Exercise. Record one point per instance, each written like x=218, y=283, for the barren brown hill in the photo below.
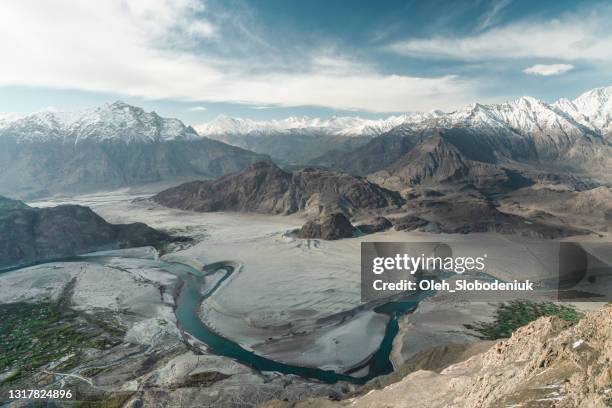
x=265, y=188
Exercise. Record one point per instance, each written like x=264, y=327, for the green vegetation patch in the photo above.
x=35, y=334
x=512, y=315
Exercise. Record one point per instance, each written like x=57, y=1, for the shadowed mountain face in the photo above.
x=112, y=146
x=265, y=188
x=30, y=235
x=491, y=162
x=436, y=161
x=390, y=151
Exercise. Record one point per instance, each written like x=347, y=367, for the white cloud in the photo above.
x=570, y=38
x=134, y=48
x=550, y=69
x=202, y=29
x=198, y=108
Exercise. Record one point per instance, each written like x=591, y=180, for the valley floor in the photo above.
x=292, y=301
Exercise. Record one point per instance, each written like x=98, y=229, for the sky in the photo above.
x=269, y=59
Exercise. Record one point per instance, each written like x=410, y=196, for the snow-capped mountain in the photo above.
x=129, y=123
x=336, y=126
x=525, y=115
x=44, y=125
x=566, y=136
x=299, y=140
x=111, y=146
x=114, y=121
x=117, y=144
x=590, y=111
x=554, y=129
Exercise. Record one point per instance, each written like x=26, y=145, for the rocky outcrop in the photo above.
x=548, y=363
x=373, y=225
x=468, y=212
x=409, y=223
x=30, y=235
x=265, y=188
x=329, y=227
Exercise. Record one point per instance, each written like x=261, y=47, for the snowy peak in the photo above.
x=525, y=116
x=592, y=109
x=128, y=123
x=114, y=121
x=336, y=125
x=44, y=125
x=589, y=114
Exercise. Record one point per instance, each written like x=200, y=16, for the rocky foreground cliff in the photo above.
x=548, y=363
x=30, y=235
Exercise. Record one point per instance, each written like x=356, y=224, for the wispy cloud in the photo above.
x=130, y=47
x=491, y=17
x=569, y=38
x=547, y=70
x=198, y=108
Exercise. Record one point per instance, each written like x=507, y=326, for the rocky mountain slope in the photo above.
x=548, y=363
x=30, y=235
x=436, y=161
x=111, y=146
x=265, y=188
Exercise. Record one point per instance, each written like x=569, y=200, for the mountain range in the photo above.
x=490, y=146
x=590, y=111
x=300, y=140
x=111, y=146
x=565, y=135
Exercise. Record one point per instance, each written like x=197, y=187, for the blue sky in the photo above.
x=266, y=59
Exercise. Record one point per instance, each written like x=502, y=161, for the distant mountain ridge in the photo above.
x=337, y=125
x=562, y=130
x=591, y=111
x=298, y=140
